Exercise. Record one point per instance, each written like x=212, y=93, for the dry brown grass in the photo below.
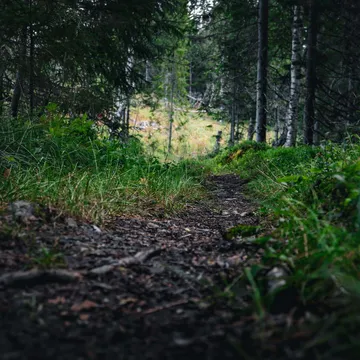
x=193, y=132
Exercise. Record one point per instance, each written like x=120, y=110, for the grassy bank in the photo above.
x=309, y=198
x=64, y=164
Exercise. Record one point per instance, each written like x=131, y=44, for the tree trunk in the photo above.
x=171, y=111
x=311, y=80
x=18, y=88
x=17, y=94
x=31, y=62
x=292, y=111
x=238, y=133
x=147, y=71
x=2, y=73
x=233, y=116
x=261, y=90
x=251, y=128
x=190, y=81
x=127, y=119
x=277, y=124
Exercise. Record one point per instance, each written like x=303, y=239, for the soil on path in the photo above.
x=171, y=305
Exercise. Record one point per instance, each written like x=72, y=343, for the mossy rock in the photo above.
x=241, y=231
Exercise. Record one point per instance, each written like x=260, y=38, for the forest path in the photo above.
x=169, y=306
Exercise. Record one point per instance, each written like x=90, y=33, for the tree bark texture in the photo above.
x=18, y=88
x=251, y=129
x=171, y=111
x=233, y=115
x=311, y=76
x=261, y=86
x=292, y=111
x=31, y=62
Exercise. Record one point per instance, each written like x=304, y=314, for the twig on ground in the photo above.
x=165, y=307
x=37, y=276
x=137, y=259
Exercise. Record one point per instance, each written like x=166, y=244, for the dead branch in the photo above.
x=166, y=307
x=137, y=259
x=36, y=277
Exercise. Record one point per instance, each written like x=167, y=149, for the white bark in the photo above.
x=171, y=110
x=292, y=111
x=147, y=71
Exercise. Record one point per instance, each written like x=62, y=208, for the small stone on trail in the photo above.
x=22, y=211
x=276, y=278
x=152, y=225
x=181, y=341
x=70, y=222
x=96, y=229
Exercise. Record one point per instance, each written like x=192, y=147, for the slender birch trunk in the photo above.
x=147, y=71
x=261, y=86
x=233, y=116
x=292, y=111
x=171, y=111
x=190, y=81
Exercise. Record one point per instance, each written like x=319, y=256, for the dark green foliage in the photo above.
x=236, y=152
x=311, y=197
x=82, y=55
x=48, y=258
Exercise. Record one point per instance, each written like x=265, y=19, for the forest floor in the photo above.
x=92, y=297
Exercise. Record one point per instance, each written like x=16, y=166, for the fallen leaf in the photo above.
x=86, y=305
x=127, y=301
x=84, y=317
x=58, y=300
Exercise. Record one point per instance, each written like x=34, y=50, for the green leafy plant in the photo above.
x=48, y=258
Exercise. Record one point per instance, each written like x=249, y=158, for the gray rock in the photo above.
x=23, y=211
x=70, y=222
x=276, y=278
x=96, y=229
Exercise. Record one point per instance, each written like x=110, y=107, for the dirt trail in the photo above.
x=169, y=306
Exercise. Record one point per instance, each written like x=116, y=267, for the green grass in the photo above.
x=63, y=164
x=48, y=258
x=193, y=132
x=310, y=198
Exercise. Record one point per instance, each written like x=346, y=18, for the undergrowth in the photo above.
x=64, y=163
x=311, y=197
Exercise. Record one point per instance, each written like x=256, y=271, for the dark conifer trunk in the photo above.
x=311, y=76
x=31, y=61
x=261, y=96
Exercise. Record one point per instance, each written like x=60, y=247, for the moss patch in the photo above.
x=241, y=230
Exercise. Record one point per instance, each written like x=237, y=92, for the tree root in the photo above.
x=37, y=277
x=137, y=259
